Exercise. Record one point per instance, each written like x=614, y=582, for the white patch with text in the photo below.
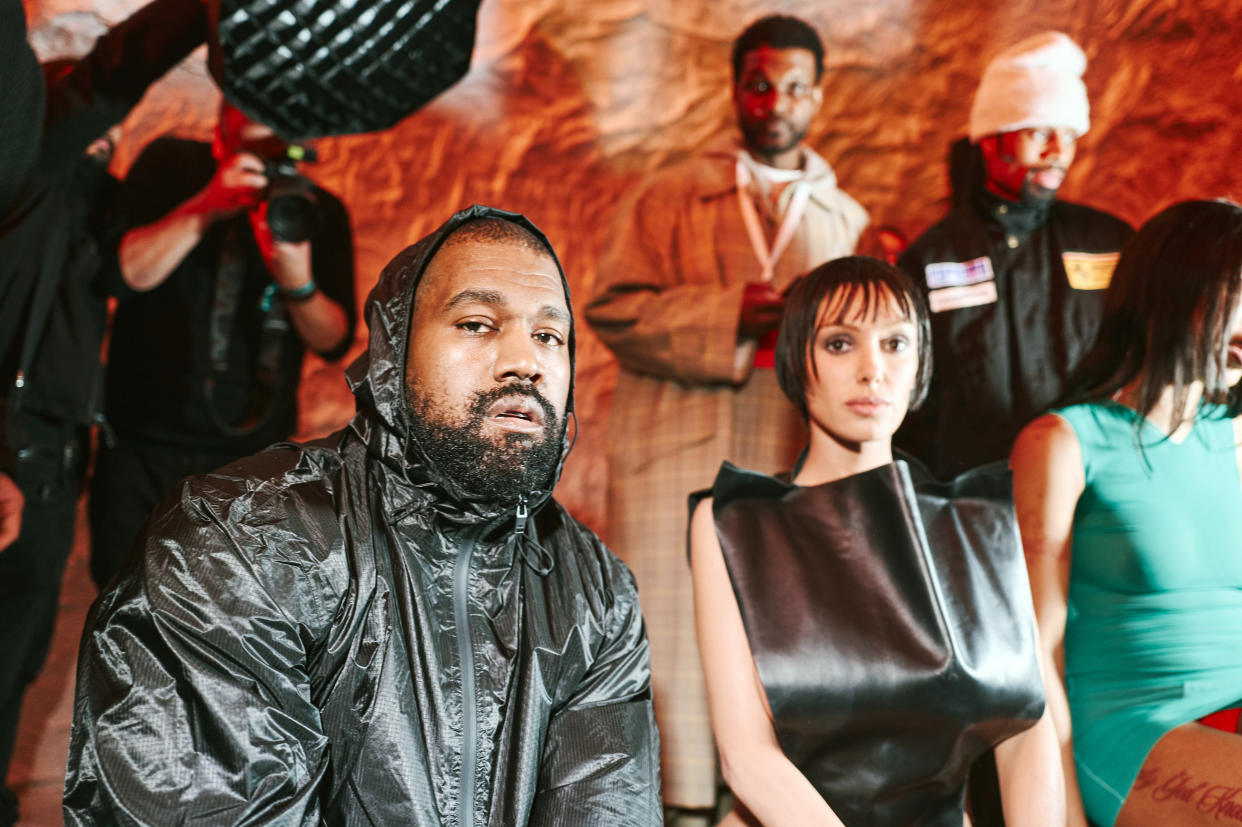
x=955, y=298
x=957, y=273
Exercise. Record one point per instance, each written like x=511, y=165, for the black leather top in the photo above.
x=891, y=624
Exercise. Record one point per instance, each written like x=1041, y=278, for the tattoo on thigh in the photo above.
x=1178, y=786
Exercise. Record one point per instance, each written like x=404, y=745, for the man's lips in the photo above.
x=776, y=127
x=516, y=413
x=1048, y=177
x=868, y=405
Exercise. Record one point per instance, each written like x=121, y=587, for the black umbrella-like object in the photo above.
x=309, y=68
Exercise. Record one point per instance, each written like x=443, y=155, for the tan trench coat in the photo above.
x=668, y=305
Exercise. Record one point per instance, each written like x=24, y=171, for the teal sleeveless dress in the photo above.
x=1155, y=594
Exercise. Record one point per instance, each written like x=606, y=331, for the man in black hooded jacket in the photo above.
x=395, y=624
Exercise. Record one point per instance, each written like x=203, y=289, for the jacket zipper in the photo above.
x=465, y=656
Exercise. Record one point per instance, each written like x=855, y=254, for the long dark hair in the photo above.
x=1167, y=311
x=869, y=278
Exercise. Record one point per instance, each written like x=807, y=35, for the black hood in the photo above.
x=377, y=377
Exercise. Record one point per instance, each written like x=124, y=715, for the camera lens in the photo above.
x=291, y=213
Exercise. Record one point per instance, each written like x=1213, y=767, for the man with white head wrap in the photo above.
x=1014, y=277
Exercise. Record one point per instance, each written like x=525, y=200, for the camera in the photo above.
x=292, y=209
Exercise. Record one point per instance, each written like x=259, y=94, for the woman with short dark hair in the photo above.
x=864, y=629
x=1131, y=516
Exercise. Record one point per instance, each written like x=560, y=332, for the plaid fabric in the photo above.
x=685, y=401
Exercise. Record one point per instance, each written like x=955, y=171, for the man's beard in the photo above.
x=1037, y=194
x=499, y=472
x=753, y=132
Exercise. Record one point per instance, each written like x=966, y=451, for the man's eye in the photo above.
x=474, y=326
x=759, y=87
x=545, y=337
x=798, y=91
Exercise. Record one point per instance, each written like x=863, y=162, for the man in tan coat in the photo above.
x=690, y=298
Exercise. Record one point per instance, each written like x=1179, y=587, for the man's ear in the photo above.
x=988, y=146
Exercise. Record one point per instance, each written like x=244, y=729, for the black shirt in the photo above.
x=1016, y=292
x=64, y=236
x=159, y=360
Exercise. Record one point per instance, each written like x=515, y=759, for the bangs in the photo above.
x=862, y=301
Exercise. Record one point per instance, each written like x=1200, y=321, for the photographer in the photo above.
x=234, y=264
x=55, y=239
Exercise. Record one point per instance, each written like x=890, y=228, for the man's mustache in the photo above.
x=1061, y=168
x=485, y=399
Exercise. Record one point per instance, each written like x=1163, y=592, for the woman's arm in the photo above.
x=1032, y=786
x=1047, y=482
x=755, y=767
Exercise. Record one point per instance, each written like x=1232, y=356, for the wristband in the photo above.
x=297, y=295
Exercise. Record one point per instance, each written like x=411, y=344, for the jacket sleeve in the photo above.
x=21, y=101
x=192, y=692
x=602, y=754
x=100, y=89
x=655, y=318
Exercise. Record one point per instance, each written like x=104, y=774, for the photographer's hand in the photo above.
x=762, y=307
x=11, y=504
x=238, y=184
x=150, y=253
x=320, y=322
x=289, y=262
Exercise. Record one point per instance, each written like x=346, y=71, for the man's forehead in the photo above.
x=1039, y=129
x=766, y=57
x=492, y=272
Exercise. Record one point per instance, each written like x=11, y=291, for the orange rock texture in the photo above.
x=568, y=104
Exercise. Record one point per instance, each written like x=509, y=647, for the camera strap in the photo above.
x=226, y=300
x=768, y=256
x=39, y=310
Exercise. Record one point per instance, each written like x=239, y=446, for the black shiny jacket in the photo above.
x=334, y=633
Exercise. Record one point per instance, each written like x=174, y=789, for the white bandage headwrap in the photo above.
x=1037, y=82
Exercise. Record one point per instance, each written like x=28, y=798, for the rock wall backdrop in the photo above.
x=568, y=104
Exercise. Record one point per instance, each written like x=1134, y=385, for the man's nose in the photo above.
x=517, y=356
x=1054, y=149
x=782, y=102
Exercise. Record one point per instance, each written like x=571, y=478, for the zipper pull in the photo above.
x=522, y=514
x=105, y=429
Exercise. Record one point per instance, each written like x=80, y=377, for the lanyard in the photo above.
x=797, y=207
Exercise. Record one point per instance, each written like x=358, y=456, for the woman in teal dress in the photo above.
x=1130, y=510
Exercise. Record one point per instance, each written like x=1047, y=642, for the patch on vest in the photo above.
x=957, y=273
x=968, y=295
x=1089, y=271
